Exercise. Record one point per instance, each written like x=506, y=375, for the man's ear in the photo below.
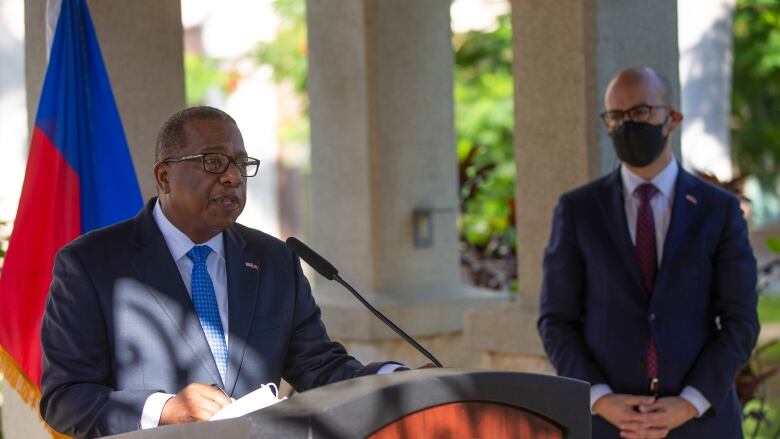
x=674, y=120
x=161, y=177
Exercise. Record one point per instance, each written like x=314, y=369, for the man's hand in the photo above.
x=666, y=414
x=196, y=402
x=622, y=411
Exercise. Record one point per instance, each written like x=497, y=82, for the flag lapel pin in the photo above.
x=251, y=265
x=691, y=199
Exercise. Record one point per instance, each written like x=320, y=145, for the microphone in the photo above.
x=329, y=272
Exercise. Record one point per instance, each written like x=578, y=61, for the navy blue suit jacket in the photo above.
x=596, y=318
x=119, y=325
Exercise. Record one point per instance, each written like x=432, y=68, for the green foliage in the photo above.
x=768, y=308
x=287, y=54
x=773, y=244
x=757, y=380
x=756, y=89
x=3, y=241
x=201, y=75
x=761, y=419
x=484, y=124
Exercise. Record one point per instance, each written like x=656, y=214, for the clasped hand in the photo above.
x=644, y=417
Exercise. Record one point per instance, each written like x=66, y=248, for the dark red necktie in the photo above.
x=648, y=258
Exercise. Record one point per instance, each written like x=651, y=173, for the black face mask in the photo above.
x=638, y=143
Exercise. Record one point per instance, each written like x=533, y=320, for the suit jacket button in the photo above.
x=651, y=317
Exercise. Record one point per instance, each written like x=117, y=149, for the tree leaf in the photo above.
x=773, y=244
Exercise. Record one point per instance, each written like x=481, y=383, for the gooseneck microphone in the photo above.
x=328, y=271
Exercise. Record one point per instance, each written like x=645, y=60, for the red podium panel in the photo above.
x=473, y=420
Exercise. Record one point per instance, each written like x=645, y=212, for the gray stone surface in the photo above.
x=517, y=334
x=556, y=120
x=383, y=141
x=417, y=314
x=631, y=33
x=19, y=420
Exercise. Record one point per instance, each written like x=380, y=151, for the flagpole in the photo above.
x=52, y=15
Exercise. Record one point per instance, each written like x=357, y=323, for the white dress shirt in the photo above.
x=179, y=244
x=661, y=204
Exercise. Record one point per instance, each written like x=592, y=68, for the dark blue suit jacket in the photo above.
x=119, y=325
x=596, y=318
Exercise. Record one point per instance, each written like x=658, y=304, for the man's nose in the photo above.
x=232, y=175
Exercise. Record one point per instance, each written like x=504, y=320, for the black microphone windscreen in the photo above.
x=311, y=257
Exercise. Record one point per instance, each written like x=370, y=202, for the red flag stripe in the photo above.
x=48, y=218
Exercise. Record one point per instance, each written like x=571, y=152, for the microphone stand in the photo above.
x=387, y=321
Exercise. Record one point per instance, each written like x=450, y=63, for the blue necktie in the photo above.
x=205, y=301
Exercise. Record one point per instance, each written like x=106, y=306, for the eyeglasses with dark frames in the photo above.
x=640, y=113
x=217, y=163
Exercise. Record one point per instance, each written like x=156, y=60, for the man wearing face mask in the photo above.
x=649, y=282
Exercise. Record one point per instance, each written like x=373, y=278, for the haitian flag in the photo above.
x=79, y=177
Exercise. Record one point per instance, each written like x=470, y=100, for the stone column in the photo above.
x=383, y=145
x=141, y=42
x=13, y=105
x=632, y=33
x=705, y=78
x=562, y=64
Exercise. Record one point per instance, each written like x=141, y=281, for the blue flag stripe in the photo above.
x=78, y=113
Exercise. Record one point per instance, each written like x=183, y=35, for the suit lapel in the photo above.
x=686, y=195
x=157, y=269
x=614, y=211
x=243, y=274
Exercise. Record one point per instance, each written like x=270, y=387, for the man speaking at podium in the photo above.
x=160, y=319
x=649, y=282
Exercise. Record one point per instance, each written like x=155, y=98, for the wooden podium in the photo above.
x=427, y=403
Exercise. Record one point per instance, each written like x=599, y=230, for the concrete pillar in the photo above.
x=631, y=33
x=13, y=106
x=383, y=145
x=141, y=43
x=381, y=77
x=562, y=64
x=705, y=78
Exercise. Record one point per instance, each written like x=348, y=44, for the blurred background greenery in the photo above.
x=755, y=136
x=484, y=129
x=755, y=130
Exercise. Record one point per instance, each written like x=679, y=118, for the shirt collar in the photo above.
x=179, y=243
x=664, y=181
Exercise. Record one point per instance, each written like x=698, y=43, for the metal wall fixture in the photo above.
x=422, y=224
